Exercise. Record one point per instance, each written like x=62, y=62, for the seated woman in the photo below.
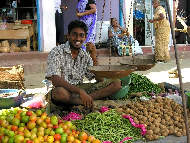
x=118, y=38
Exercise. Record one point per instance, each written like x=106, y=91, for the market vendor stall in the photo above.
x=19, y=31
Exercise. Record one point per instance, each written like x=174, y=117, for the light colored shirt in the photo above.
x=61, y=63
x=57, y=6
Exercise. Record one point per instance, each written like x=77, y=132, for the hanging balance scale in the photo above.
x=126, y=64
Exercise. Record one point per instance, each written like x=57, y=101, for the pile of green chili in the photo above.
x=140, y=83
x=108, y=126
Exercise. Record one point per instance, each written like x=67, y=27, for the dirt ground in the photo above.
x=159, y=73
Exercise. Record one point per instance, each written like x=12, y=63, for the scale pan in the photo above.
x=112, y=71
x=142, y=64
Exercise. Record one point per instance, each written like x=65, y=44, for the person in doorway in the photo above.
x=162, y=33
x=59, y=22
x=117, y=35
x=68, y=64
x=87, y=12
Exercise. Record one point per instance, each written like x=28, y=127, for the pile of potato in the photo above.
x=161, y=116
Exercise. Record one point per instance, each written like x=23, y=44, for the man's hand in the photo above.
x=86, y=99
x=79, y=14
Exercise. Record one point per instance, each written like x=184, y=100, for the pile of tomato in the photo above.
x=23, y=126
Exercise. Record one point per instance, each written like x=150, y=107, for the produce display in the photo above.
x=108, y=126
x=140, y=83
x=161, y=116
x=23, y=126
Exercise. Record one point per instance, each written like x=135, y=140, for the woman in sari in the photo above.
x=162, y=33
x=86, y=11
x=118, y=36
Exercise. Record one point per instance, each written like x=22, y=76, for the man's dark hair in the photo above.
x=77, y=24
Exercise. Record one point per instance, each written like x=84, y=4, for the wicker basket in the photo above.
x=4, y=49
x=24, y=49
x=11, y=84
x=12, y=77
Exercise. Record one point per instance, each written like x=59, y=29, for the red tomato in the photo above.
x=29, y=141
x=29, y=113
x=55, y=126
x=60, y=121
x=1, y=137
x=57, y=137
x=83, y=136
x=14, y=128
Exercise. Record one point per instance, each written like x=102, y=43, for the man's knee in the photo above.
x=59, y=93
x=117, y=84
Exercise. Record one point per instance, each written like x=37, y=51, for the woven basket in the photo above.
x=24, y=49
x=11, y=84
x=12, y=77
x=4, y=49
x=15, y=73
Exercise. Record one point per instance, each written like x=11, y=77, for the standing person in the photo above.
x=59, y=22
x=162, y=33
x=87, y=12
x=66, y=67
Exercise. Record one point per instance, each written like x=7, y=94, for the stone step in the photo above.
x=35, y=62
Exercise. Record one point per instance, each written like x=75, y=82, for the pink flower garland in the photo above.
x=72, y=116
x=141, y=126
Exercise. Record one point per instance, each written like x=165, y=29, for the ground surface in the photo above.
x=159, y=73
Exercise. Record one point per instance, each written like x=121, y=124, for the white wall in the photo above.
x=128, y=12
x=48, y=25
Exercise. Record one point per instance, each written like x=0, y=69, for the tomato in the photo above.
x=59, y=131
x=1, y=136
x=16, y=121
x=77, y=141
x=29, y=141
x=29, y=113
x=39, y=121
x=54, y=120
x=83, y=136
x=38, y=112
x=44, y=116
x=19, y=138
x=11, y=133
x=60, y=121
x=70, y=138
x=55, y=126
x=63, y=138
x=69, y=124
x=48, y=121
x=24, y=119
x=33, y=118
x=31, y=125
x=57, y=137
x=91, y=138
x=50, y=139
x=96, y=141
x=14, y=128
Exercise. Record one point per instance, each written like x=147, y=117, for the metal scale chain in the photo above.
x=127, y=26
x=110, y=40
x=148, y=25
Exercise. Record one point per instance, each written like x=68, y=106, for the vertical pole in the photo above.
x=38, y=25
x=120, y=13
x=179, y=71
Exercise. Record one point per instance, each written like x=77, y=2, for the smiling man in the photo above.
x=68, y=65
